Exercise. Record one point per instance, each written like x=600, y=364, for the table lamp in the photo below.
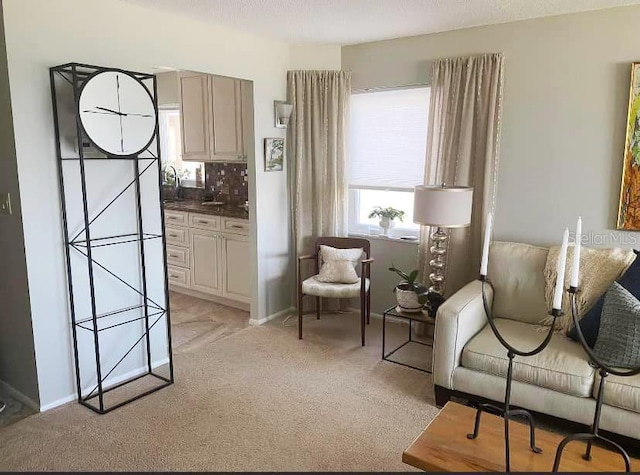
x=441, y=207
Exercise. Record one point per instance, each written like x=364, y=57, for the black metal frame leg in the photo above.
x=593, y=435
x=590, y=438
x=506, y=412
x=604, y=370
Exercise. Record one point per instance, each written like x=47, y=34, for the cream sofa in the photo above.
x=468, y=360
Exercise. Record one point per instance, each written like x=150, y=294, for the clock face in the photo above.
x=117, y=113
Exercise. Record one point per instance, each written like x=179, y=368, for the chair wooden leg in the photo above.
x=318, y=308
x=363, y=312
x=300, y=314
x=368, y=307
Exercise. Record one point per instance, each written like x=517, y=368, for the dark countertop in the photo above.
x=196, y=206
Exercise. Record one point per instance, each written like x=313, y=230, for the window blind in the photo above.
x=388, y=138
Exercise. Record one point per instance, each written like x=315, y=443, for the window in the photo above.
x=171, y=147
x=388, y=141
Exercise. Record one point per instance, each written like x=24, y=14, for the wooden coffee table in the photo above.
x=443, y=447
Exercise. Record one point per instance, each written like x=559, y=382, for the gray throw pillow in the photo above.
x=618, y=343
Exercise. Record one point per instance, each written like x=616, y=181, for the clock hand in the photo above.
x=98, y=112
x=136, y=115
x=109, y=110
x=120, y=113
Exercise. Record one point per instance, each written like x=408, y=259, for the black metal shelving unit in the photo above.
x=143, y=320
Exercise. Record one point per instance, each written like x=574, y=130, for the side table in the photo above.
x=422, y=317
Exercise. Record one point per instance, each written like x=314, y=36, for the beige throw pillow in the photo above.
x=339, y=265
x=338, y=272
x=598, y=269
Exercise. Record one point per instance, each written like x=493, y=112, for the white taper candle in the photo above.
x=484, y=264
x=562, y=261
x=575, y=269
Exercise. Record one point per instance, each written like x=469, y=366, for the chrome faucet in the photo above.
x=176, y=181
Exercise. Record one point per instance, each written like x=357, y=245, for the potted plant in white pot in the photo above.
x=386, y=215
x=410, y=294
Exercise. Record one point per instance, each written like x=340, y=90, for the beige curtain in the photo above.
x=317, y=154
x=462, y=149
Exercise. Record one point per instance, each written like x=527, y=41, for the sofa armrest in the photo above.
x=459, y=318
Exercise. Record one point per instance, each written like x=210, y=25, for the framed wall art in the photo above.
x=629, y=207
x=273, y=155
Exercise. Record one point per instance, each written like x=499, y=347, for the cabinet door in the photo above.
x=237, y=267
x=195, y=118
x=206, y=270
x=226, y=111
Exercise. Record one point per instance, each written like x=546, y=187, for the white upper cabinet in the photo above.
x=195, y=117
x=226, y=106
x=212, y=117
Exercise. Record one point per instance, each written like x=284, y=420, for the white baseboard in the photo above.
x=59, y=402
x=282, y=313
x=17, y=395
x=107, y=384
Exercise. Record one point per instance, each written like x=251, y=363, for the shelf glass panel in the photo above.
x=116, y=318
x=112, y=240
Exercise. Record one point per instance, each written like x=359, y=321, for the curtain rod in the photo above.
x=382, y=88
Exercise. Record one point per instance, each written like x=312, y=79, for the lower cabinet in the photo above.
x=205, y=261
x=236, y=267
x=179, y=276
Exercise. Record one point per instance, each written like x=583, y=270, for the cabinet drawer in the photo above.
x=175, y=218
x=237, y=226
x=177, y=236
x=179, y=276
x=204, y=221
x=178, y=256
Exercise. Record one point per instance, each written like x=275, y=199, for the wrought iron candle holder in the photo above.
x=604, y=371
x=506, y=412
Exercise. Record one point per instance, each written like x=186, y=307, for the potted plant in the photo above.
x=411, y=295
x=386, y=215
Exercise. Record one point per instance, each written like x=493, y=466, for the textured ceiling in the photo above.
x=358, y=21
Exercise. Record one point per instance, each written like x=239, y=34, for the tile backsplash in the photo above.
x=229, y=181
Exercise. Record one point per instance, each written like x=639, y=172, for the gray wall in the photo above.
x=123, y=35
x=17, y=358
x=563, y=125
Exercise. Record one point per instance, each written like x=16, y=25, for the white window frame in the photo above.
x=185, y=182
x=360, y=228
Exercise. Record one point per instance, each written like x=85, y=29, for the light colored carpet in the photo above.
x=256, y=399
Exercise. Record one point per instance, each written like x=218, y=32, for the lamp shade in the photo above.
x=283, y=113
x=442, y=206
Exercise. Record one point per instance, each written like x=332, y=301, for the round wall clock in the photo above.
x=117, y=113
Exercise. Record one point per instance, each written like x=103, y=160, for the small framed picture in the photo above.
x=273, y=155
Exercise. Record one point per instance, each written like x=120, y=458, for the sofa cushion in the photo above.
x=620, y=391
x=562, y=366
x=517, y=274
x=598, y=269
x=590, y=323
x=312, y=286
x=618, y=344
